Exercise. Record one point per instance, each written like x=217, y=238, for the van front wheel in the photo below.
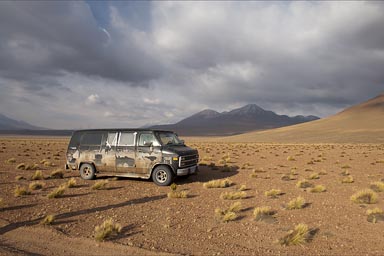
x=162, y=175
x=87, y=171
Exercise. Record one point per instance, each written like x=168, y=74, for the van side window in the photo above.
x=91, y=141
x=146, y=139
x=127, y=139
x=111, y=139
x=75, y=140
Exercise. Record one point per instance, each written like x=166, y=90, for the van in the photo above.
x=133, y=153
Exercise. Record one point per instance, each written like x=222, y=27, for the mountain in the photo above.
x=248, y=118
x=362, y=123
x=7, y=123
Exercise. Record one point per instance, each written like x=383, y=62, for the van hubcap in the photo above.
x=87, y=171
x=161, y=176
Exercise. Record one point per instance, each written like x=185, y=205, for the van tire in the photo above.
x=87, y=171
x=162, y=175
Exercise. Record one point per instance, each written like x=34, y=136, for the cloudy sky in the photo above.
x=127, y=64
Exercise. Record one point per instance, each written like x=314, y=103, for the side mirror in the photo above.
x=182, y=142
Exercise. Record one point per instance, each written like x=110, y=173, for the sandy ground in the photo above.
x=154, y=224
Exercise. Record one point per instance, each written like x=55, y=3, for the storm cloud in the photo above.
x=131, y=64
x=40, y=38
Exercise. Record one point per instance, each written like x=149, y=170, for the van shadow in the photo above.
x=207, y=173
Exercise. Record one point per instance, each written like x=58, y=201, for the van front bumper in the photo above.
x=187, y=171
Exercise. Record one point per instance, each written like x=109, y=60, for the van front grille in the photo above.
x=189, y=160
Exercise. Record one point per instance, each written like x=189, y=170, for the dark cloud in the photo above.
x=46, y=38
x=314, y=53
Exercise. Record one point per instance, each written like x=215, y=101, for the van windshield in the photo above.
x=169, y=138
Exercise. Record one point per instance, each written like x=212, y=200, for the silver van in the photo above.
x=134, y=153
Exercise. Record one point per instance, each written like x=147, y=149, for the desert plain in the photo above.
x=152, y=223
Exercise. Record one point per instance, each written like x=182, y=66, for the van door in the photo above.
x=148, y=153
x=90, y=149
x=108, y=159
x=126, y=153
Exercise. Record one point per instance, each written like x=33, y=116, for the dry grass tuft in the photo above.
x=21, y=191
x=288, y=177
x=71, y=183
x=291, y=158
x=21, y=166
x=38, y=175
x=377, y=186
x=225, y=215
x=101, y=184
x=348, y=179
x=218, y=183
x=374, y=211
x=304, y=184
x=10, y=161
x=296, y=203
x=255, y=172
x=273, y=193
x=318, y=189
x=261, y=213
x=57, y=192
x=235, y=207
x=48, y=220
x=375, y=215
x=298, y=236
x=233, y=195
x=253, y=175
x=259, y=170
x=365, y=196
x=36, y=185
x=177, y=194
x=107, y=229
x=173, y=186
x=48, y=164
x=44, y=161
x=345, y=173
x=314, y=176
x=242, y=188
x=32, y=167
x=19, y=177
x=57, y=174
x=24, y=166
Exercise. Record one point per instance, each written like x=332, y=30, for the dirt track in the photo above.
x=153, y=223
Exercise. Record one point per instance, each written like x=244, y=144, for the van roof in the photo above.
x=122, y=129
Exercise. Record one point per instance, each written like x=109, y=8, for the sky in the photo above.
x=90, y=64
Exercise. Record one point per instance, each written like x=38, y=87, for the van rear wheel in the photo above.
x=162, y=175
x=87, y=171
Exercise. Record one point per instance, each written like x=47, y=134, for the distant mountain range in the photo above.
x=361, y=123
x=205, y=123
x=7, y=123
x=248, y=118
